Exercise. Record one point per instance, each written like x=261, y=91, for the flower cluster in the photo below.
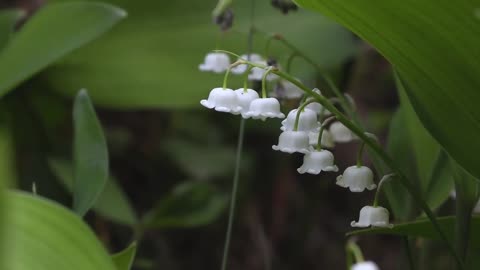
x=308, y=129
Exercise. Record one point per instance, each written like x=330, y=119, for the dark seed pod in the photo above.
x=225, y=20
x=272, y=62
x=284, y=6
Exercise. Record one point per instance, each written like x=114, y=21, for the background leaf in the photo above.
x=8, y=19
x=124, y=259
x=412, y=35
x=151, y=59
x=56, y=30
x=112, y=203
x=90, y=155
x=423, y=228
x=43, y=235
x=190, y=204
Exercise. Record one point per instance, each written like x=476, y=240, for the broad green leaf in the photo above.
x=8, y=19
x=423, y=228
x=400, y=149
x=124, y=259
x=53, y=32
x=190, y=204
x=43, y=235
x=152, y=59
x=112, y=203
x=440, y=181
x=434, y=47
x=90, y=155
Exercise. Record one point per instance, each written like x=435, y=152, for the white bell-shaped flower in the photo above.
x=240, y=69
x=306, y=122
x=318, y=109
x=357, y=179
x=257, y=73
x=316, y=161
x=222, y=100
x=216, y=62
x=372, y=216
x=367, y=265
x=341, y=133
x=245, y=98
x=293, y=141
x=263, y=108
x=327, y=138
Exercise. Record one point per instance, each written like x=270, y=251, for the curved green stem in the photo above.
x=264, y=81
x=299, y=111
x=225, y=78
x=322, y=128
x=379, y=187
x=355, y=250
x=245, y=80
x=359, y=155
x=289, y=61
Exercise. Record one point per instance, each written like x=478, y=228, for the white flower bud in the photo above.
x=317, y=161
x=245, y=98
x=293, y=141
x=341, y=133
x=368, y=265
x=372, y=216
x=327, y=139
x=240, y=69
x=357, y=179
x=215, y=62
x=306, y=122
x=263, y=108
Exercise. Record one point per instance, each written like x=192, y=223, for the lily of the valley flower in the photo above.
x=288, y=90
x=222, y=100
x=316, y=161
x=341, y=133
x=357, y=179
x=293, y=141
x=245, y=98
x=263, y=108
x=306, y=122
x=257, y=73
x=242, y=68
x=327, y=139
x=216, y=62
x=372, y=216
x=367, y=265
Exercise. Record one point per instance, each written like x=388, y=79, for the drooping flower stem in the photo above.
x=379, y=187
x=322, y=128
x=359, y=154
x=297, y=52
x=264, y=81
x=356, y=252
x=299, y=111
x=225, y=78
x=245, y=80
x=292, y=56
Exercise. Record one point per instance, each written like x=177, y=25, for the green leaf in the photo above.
x=190, y=204
x=167, y=42
x=55, y=31
x=8, y=19
x=90, y=155
x=435, y=54
x=124, y=259
x=440, y=183
x=423, y=228
x=43, y=235
x=400, y=148
x=112, y=203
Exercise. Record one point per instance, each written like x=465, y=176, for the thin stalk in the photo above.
x=408, y=251
x=356, y=252
x=233, y=199
x=380, y=186
x=299, y=111
x=264, y=82
x=322, y=128
x=225, y=78
x=327, y=78
x=359, y=155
